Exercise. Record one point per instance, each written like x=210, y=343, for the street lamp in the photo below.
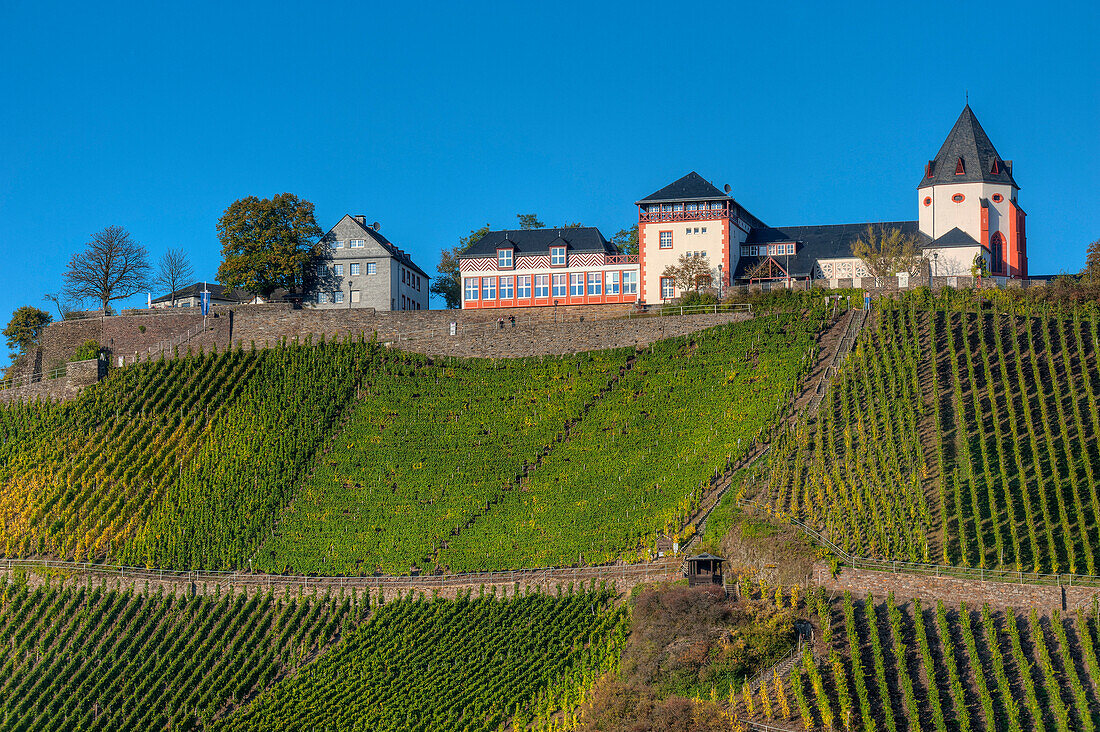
x=720, y=283
x=935, y=269
x=350, y=285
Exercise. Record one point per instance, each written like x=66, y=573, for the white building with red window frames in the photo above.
x=546, y=267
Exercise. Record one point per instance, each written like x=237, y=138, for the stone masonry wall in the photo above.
x=953, y=590
x=79, y=375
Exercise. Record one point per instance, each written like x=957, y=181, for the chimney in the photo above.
x=361, y=218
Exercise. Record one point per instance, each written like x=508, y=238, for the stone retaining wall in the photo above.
x=953, y=590
x=80, y=374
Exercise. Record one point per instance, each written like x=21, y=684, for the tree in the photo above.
x=112, y=267
x=267, y=243
x=61, y=302
x=626, y=240
x=173, y=272
x=689, y=273
x=573, y=225
x=979, y=267
x=529, y=221
x=449, y=283
x=888, y=251
x=25, y=326
x=1091, y=272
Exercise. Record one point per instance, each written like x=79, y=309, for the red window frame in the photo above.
x=660, y=239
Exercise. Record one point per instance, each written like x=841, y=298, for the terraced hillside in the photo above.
x=344, y=457
x=88, y=658
x=471, y=664
x=958, y=438
x=905, y=665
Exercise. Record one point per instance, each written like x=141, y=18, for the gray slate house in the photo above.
x=189, y=297
x=361, y=268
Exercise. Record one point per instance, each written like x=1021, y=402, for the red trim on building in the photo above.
x=958, y=198
x=960, y=168
x=997, y=198
x=985, y=227
x=727, y=246
x=641, y=261
x=928, y=200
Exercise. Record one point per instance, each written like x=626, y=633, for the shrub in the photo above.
x=87, y=350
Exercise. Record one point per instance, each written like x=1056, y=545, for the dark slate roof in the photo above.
x=217, y=292
x=831, y=241
x=967, y=140
x=692, y=187
x=954, y=238
x=389, y=246
x=539, y=241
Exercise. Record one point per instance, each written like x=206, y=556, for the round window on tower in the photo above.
x=927, y=200
x=958, y=198
x=997, y=198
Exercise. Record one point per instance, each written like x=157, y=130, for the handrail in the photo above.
x=18, y=381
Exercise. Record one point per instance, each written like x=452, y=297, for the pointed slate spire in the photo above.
x=969, y=150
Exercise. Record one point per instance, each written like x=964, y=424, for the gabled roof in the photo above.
x=217, y=292
x=538, y=241
x=831, y=241
x=386, y=244
x=968, y=142
x=954, y=238
x=692, y=187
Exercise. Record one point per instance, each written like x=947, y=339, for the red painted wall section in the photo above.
x=726, y=231
x=1017, y=242
x=985, y=225
x=641, y=261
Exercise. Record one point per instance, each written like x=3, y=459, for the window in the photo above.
x=958, y=198
x=322, y=298
x=612, y=283
x=338, y=244
x=322, y=270
x=687, y=231
x=996, y=254
x=504, y=258
x=338, y=270
x=523, y=287
x=959, y=167
x=704, y=229
x=559, y=285
x=668, y=290
x=471, y=288
x=997, y=198
x=630, y=283
x=693, y=207
x=338, y=296
x=354, y=268
x=507, y=288
x=542, y=285
x=372, y=268
x=927, y=200
x=744, y=251
x=576, y=284
x=355, y=295
x=357, y=243
x=790, y=248
x=595, y=283
x=666, y=240
x=488, y=288
x=403, y=273
x=996, y=169
x=557, y=256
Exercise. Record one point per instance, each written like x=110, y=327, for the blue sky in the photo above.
x=446, y=116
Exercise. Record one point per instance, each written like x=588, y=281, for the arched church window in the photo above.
x=996, y=251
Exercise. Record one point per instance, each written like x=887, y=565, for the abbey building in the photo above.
x=966, y=202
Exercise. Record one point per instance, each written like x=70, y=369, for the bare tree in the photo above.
x=173, y=272
x=689, y=273
x=61, y=302
x=112, y=267
x=888, y=251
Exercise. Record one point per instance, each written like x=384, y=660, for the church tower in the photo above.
x=968, y=203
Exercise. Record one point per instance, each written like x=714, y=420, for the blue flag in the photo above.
x=204, y=301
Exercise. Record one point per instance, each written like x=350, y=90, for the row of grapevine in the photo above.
x=953, y=669
x=467, y=664
x=88, y=658
x=955, y=437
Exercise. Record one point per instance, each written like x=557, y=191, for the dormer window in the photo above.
x=557, y=256
x=928, y=169
x=996, y=169
x=504, y=258
x=959, y=167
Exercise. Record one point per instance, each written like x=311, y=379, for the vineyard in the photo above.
x=89, y=658
x=956, y=438
x=477, y=663
x=497, y=465
x=910, y=666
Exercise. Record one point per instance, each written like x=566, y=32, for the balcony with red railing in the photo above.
x=683, y=213
x=621, y=259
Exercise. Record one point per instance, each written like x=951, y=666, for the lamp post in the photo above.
x=935, y=269
x=350, y=285
x=720, y=281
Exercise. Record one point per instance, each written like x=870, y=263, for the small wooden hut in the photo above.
x=704, y=569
